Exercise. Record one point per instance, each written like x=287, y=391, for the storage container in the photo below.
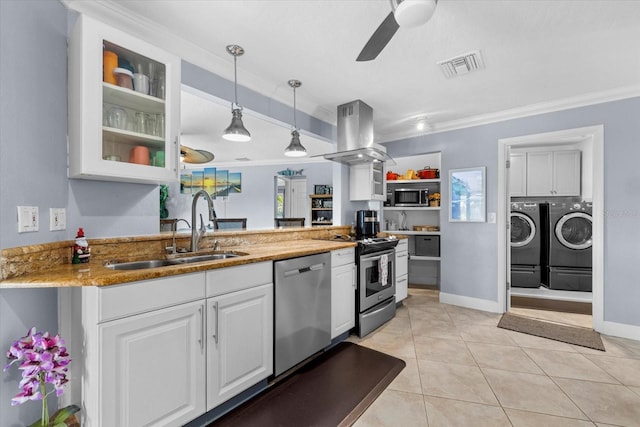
x=428, y=246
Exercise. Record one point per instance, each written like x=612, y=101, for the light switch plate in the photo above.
x=28, y=219
x=492, y=217
x=57, y=219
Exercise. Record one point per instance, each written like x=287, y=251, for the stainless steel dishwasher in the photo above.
x=302, y=289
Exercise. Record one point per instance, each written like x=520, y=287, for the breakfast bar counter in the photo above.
x=48, y=265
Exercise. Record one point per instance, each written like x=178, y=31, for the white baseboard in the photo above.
x=470, y=302
x=621, y=330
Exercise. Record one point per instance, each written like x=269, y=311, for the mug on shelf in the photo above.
x=139, y=154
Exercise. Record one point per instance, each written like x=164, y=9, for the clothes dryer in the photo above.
x=526, y=244
x=570, y=245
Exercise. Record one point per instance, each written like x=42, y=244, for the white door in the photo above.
x=343, y=299
x=239, y=342
x=153, y=368
x=296, y=198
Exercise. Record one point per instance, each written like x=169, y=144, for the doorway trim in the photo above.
x=596, y=135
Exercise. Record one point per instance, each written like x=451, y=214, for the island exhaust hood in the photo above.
x=355, y=136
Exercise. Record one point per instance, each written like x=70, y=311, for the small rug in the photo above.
x=332, y=390
x=570, y=334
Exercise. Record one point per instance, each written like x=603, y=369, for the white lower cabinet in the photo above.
x=239, y=342
x=402, y=269
x=343, y=291
x=162, y=352
x=153, y=365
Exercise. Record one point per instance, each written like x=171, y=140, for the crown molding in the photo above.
x=525, y=111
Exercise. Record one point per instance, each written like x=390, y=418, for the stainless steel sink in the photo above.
x=140, y=265
x=153, y=263
x=204, y=257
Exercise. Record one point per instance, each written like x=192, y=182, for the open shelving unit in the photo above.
x=423, y=270
x=321, y=209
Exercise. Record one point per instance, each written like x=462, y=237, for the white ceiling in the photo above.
x=537, y=53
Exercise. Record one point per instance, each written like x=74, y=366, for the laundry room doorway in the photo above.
x=539, y=266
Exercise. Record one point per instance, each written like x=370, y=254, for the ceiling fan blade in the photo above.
x=189, y=155
x=379, y=39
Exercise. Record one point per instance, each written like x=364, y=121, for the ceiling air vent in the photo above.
x=463, y=64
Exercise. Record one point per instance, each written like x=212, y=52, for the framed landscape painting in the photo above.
x=467, y=195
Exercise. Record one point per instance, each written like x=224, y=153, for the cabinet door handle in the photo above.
x=354, y=278
x=202, y=327
x=215, y=330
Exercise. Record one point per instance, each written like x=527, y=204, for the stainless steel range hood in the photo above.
x=355, y=136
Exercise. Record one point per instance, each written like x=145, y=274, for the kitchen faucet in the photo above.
x=196, y=235
x=173, y=248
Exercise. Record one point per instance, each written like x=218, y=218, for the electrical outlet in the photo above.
x=57, y=219
x=28, y=219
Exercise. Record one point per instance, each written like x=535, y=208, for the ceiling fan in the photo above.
x=190, y=155
x=404, y=13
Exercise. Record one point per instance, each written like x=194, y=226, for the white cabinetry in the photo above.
x=138, y=360
x=162, y=352
x=240, y=350
x=153, y=367
x=548, y=173
x=239, y=329
x=343, y=291
x=402, y=269
x=99, y=145
x=518, y=174
x=366, y=182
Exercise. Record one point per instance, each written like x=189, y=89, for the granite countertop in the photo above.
x=96, y=274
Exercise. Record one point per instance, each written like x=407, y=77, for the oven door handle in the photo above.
x=376, y=255
x=383, y=307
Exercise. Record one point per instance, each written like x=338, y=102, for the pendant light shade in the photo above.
x=295, y=148
x=236, y=130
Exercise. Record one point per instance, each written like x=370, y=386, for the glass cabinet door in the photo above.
x=124, y=97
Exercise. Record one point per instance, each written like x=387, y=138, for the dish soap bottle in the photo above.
x=81, y=249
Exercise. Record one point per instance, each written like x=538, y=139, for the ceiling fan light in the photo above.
x=295, y=148
x=412, y=13
x=236, y=130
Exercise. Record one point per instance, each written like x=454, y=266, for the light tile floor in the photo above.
x=464, y=371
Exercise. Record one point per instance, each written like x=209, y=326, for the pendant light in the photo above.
x=236, y=130
x=295, y=149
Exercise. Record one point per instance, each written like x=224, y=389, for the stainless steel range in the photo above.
x=375, y=258
x=376, y=288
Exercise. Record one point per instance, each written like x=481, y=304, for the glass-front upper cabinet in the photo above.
x=124, y=107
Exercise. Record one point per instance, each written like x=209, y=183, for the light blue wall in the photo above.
x=33, y=158
x=474, y=245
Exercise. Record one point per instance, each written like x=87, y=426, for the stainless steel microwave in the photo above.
x=410, y=197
